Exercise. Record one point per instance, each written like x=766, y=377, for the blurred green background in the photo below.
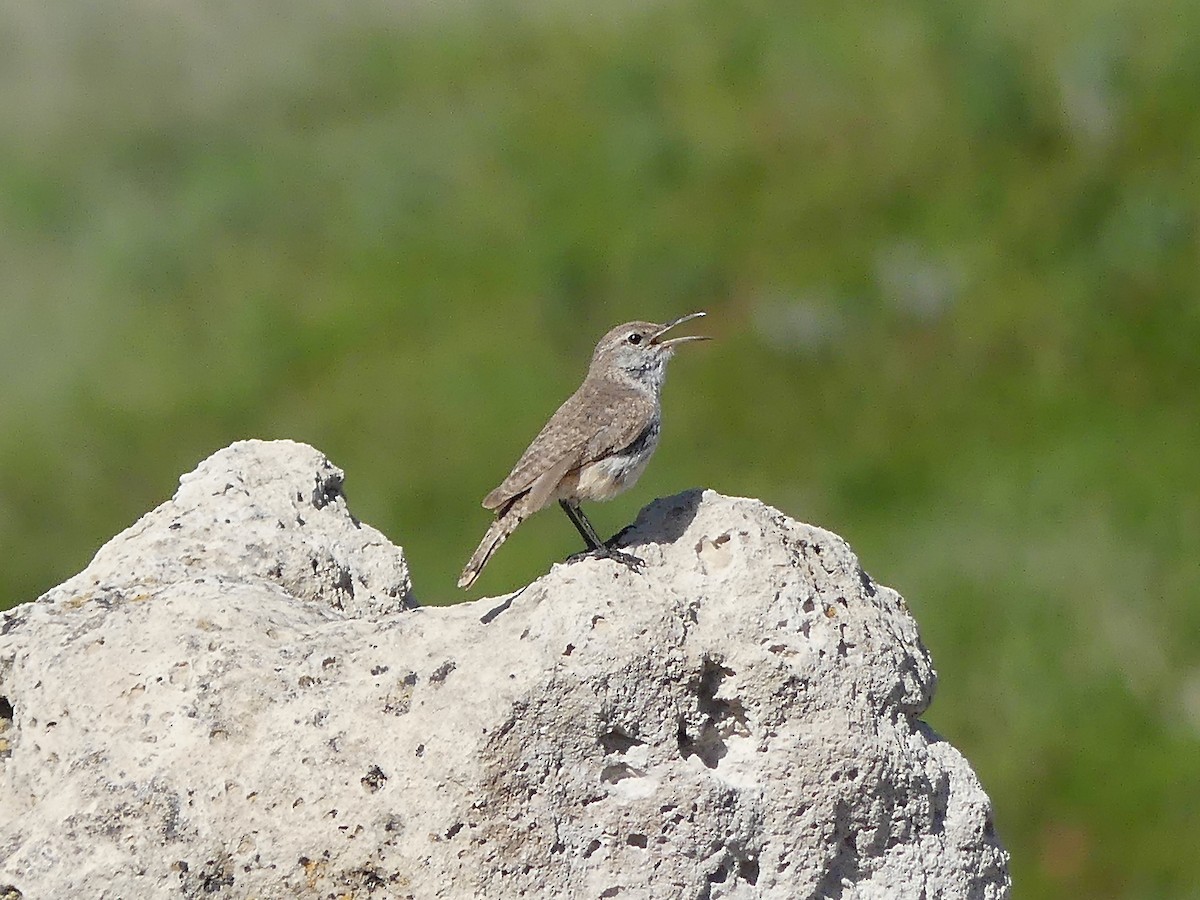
x=950, y=252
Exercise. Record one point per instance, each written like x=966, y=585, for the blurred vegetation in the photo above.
x=950, y=251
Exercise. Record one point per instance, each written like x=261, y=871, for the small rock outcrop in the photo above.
x=238, y=697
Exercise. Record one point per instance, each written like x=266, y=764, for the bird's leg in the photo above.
x=596, y=547
x=582, y=525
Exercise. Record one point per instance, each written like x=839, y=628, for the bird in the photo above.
x=595, y=446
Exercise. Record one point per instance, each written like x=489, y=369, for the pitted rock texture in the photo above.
x=740, y=720
x=257, y=511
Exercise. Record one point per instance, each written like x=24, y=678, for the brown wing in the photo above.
x=562, y=438
x=589, y=425
x=623, y=418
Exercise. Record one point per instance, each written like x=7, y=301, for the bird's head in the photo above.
x=638, y=351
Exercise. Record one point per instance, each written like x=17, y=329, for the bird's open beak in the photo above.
x=655, y=338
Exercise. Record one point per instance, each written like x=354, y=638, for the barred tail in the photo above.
x=496, y=535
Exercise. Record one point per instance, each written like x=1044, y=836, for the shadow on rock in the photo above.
x=661, y=522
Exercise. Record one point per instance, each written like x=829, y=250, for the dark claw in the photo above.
x=626, y=559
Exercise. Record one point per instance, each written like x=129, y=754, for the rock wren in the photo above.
x=596, y=444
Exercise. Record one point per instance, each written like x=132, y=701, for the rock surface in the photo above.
x=237, y=699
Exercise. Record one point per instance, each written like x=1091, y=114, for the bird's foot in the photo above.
x=626, y=559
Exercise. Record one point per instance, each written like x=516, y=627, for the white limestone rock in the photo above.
x=258, y=510
x=233, y=700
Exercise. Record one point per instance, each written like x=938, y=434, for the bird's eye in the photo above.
x=635, y=338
